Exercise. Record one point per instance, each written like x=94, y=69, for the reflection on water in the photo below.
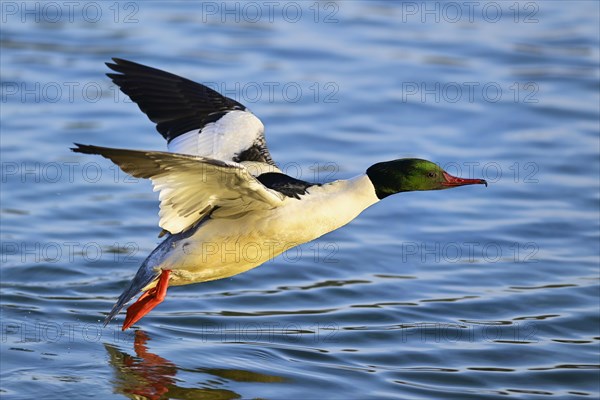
x=145, y=374
x=148, y=375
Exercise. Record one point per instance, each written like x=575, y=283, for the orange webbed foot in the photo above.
x=148, y=300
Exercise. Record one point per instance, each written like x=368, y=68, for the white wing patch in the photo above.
x=223, y=139
x=185, y=144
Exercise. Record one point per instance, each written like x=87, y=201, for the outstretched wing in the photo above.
x=192, y=187
x=193, y=118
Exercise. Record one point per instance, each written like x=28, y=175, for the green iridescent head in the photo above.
x=412, y=174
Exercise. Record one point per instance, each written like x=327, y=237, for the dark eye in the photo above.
x=431, y=174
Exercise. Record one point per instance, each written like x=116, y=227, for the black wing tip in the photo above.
x=124, y=66
x=120, y=62
x=85, y=148
x=116, y=61
x=78, y=147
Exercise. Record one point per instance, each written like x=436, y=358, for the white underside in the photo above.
x=226, y=247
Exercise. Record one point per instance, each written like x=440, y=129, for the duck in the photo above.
x=225, y=206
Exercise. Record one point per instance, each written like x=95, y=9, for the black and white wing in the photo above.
x=192, y=187
x=193, y=118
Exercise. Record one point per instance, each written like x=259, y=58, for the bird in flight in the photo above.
x=225, y=206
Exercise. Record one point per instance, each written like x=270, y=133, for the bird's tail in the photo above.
x=144, y=277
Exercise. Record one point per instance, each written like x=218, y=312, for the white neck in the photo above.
x=334, y=204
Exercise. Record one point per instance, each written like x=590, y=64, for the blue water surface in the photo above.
x=468, y=293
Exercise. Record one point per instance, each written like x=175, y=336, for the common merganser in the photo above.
x=225, y=206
